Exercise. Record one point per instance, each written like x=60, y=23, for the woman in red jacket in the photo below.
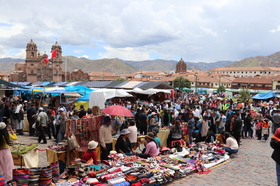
x=91, y=152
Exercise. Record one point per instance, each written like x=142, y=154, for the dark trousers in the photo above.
x=50, y=130
x=143, y=129
x=237, y=136
x=31, y=130
x=42, y=134
x=105, y=152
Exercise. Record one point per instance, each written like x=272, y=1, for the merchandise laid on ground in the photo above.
x=125, y=170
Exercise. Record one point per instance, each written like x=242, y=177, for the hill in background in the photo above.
x=272, y=60
x=118, y=66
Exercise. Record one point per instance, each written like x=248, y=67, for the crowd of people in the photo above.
x=190, y=119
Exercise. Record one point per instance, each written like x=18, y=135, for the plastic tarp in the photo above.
x=99, y=97
x=80, y=89
x=264, y=96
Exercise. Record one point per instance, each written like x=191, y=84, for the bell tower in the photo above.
x=31, y=51
x=181, y=66
x=57, y=63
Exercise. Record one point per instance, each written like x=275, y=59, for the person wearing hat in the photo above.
x=275, y=144
x=152, y=149
x=31, y=111
x=123, y=144
x=153, y=123
x=105, y=138
x=91, y=152
x=42, y=127
x=6, y=160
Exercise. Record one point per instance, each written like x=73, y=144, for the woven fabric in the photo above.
x=21, y=176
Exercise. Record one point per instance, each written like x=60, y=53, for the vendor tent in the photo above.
x=100, y=96
x=8, y=84
x=264, y=96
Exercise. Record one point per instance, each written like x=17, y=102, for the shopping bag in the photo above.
x=72, y=142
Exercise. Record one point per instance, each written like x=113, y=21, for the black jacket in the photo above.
x=122, y=145
x=275, y=144
x=237, y=125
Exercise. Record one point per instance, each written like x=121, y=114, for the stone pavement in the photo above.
x=252, y=166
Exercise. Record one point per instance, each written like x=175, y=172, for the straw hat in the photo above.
x=92, y=144
x=150, y=135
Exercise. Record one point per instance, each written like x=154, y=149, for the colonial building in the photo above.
x=78, y=75
x=181, y=66
x=35, y=69
x=245, y=71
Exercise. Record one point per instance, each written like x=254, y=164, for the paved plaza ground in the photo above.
x=252, y=166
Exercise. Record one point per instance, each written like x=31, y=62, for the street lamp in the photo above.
x=272, y=84
x=196, y=74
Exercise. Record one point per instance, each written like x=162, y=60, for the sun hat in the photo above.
x=153, y=113
x=150, y=135
x=41, y=108
x=2, y=125
x=92, y=144
x=124, y=132
x=106, y=119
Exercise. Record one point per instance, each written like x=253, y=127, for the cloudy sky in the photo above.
x=195, y=30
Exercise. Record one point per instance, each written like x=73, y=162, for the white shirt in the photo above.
x=231, y=143
x=132, y=136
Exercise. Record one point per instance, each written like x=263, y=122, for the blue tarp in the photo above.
x=264, y=96
x=79, y=88
x=84, y=98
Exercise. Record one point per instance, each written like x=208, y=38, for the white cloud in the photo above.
x=275, y=30
x=77, y=51
x=84, y=56
x=195, y=30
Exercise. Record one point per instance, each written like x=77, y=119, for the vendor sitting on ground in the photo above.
x=231, y=145
x=123, y=144
x=176, y=133
x=151, y=149
x=91, y=152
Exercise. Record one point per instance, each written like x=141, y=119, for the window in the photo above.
x=31, y=72
x=56, y=72
x=32, y=54
x=32, y=65
x=255, y=72
x=57, y=65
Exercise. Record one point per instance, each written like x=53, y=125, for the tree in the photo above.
x=245, y=94
x=221, y=88
x=180, y=82
x=120, y=79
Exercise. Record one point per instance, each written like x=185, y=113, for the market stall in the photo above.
x=131, y=170
x=25, y=154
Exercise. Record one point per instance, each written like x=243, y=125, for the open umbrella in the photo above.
x=117, y=110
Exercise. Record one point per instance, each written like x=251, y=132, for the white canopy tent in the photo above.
x=99, y=97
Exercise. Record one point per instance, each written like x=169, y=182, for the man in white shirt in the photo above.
x=197, y=112
x=132, y=136
x=105, y=138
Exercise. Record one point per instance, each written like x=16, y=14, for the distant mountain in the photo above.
x=114, y=66
x=8, y=59
x=169, y=65
x=272, y=60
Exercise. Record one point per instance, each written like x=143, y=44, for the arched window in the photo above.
x=32, y=54
x=31, y=72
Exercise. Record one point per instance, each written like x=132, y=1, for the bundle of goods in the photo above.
x=19, y=148
x=59, y=147
x=133, y=170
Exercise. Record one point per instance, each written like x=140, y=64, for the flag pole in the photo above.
x=66, y=70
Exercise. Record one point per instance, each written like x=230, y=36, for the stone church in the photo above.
x=35, y=69
x=181, y=66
